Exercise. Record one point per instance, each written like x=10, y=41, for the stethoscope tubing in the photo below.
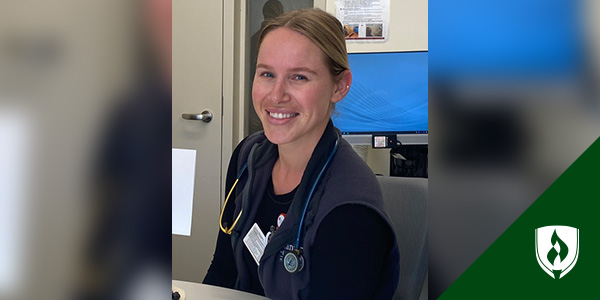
x=308, y=199
x=312, y=191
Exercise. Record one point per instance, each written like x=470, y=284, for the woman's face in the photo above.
x=293, y=88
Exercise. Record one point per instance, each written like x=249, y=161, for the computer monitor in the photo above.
x=389, y=95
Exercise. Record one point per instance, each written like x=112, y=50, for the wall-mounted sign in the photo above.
x=364, y=19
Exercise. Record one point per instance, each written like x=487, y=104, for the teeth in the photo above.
x=281, y=115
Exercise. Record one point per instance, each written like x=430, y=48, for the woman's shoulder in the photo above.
x=350, y=168
x=254, y=138
x=245, y=145
x=351, y=181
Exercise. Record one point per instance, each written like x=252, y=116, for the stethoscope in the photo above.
x=293, y=260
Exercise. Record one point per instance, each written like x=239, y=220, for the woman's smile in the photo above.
x=280, y=117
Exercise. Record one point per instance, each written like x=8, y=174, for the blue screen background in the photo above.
x=389, y=93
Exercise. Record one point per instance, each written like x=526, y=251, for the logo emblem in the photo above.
x=557, y=249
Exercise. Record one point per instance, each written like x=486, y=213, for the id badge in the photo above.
x=255, y=242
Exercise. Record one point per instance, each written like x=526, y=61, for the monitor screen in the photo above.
x=388, y=94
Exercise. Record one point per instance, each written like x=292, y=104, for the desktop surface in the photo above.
x=197, y=291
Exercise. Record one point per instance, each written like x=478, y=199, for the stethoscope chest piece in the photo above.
x=293, y=261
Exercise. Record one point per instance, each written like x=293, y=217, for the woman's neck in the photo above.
x=291, y=163
x=289, y=168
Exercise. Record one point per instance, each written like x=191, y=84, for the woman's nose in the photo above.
x=279, y=92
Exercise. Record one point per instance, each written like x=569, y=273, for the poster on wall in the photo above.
x=364, y=19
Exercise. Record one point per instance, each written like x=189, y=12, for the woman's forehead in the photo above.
x=287, y=47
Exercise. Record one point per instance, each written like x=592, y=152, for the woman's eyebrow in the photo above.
x=263, y=66
x=298, y=69
x=303, y=69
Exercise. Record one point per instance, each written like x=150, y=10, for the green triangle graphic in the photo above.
x=508, y=269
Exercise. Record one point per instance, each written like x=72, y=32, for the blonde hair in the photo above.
x=323, y=29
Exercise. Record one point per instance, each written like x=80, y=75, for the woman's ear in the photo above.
x=342, y=86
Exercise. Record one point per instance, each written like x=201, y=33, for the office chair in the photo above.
x=405, y=199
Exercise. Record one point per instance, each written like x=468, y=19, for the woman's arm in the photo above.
x=348, y=254
x=222, y=270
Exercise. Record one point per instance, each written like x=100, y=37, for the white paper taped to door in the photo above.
x=182, y=194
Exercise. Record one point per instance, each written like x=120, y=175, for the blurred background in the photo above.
x=85, y=135
x=514, y=100
x=85, y=149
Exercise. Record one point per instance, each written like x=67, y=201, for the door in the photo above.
x=197, y=86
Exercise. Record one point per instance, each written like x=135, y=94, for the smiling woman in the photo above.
x=293, y=89
x=303, y=197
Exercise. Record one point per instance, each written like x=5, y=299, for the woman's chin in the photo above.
x=276, y=139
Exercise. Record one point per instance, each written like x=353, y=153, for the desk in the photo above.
x=198, y=291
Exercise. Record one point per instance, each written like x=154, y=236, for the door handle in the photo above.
x=204, y=116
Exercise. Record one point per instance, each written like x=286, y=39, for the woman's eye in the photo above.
x=299, y=77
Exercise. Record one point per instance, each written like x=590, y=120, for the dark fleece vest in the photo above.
x=347, y=180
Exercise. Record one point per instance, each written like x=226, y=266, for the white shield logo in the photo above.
x=557, y=249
